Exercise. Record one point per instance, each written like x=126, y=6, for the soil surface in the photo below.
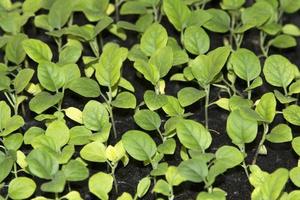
x=234, y=182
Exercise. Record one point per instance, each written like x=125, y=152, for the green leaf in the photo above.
x=13, y=141
x=167, y=147
x=56, y=185
x=292, y=114
x=189, y=95
x=232, y=4
x=108, y=69
x=94, y=152
x=177, y=13
x=14, y=51
x=59, y=132
x=85, y=87
x=241, y=130
x=154, y=101
x=147, y=120
x=296, y=145
x=133, y=7
x=94, y=116
x=6, y=165
x=196, y=40
x=50, y=76
x=124, y=100
x=70, y=54
x=4, y=82
x=155, y=37
x=280, y=133
x=59, y=13
x=245, y=64
x=290, y=6
x=102, y=24
x=79, y=135
x=43, y=101
x=149, y=70
x=75, y=171
x=291, y=29
x=31, y=6
x=294, y=88
x=194, y=170
x=97, y=187
x=143, y=186
x=257, y=14
x=22, y=79
x=220, y=21
x=282, y=98
x=42, y=164
x=139, y=145
x=206, y=67
x=294, y=175
x=71, y=72
x=37, y=50
x=278, y=71
x=283, y=41
x=216, y=194
x=193, y=135
x=21, y=188
x=162, y=187
x=13, y=123
x=173, y=107
x=162, y=59
x=266, y=107
x=173, y=176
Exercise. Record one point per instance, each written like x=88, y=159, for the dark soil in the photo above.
x=234, y=182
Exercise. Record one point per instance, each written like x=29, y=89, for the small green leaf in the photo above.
x=283, y=41
x=42, y=164
x=294, y=175
x=280, y=133
x=139, y=145
x=189, y=95
x=143, y=186
x=14, y=51
x=75, y=171
x=50, y=76
x=56, y=185
x=124, y=100
x=154, y=101
x=241, y=130
x=193, y=135
x=220, y=21
x=97, y=187
x=278, y=71
x=291, y=29
x=37, y=50
x=85, y=87
x=292, y=114
x=162, y=59
x=22, y=79
x=194, y=170
x=43, y=101
x=196, y=40
x=21, y=188
x=94, y=152
x=266, y=107
x=59, y=132
x=162, y=187
x=173, y=176
x=94, y=115
x=155, y=37
x=177, y=13
x=173, y=107
x=245, y=64
x=59, y=13
x=147, y=120
x=168, y=147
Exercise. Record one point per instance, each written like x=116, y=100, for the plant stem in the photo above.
x=160, y=134
x=113, y=168
x=244, y=165
x=15, y=170
x=249, y=91
x=266, y=129
x=262, y=39
x=207, y=90
x=111, y=114
x=117, y=10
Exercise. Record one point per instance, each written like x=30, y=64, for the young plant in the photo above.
x=206, y=69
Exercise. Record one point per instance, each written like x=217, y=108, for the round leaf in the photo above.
x=147, y=120
x=21, y=188
x=196, y=40
x=97, y=186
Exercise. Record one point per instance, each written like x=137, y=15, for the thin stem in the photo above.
x=207, y=90
x=262, y=39
x=161, y=135
x=117, y=10
x=111, y=112
x=15, y=170
x=113, y=168
x=249, y=91
x=266, y=128
x=244, y=165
